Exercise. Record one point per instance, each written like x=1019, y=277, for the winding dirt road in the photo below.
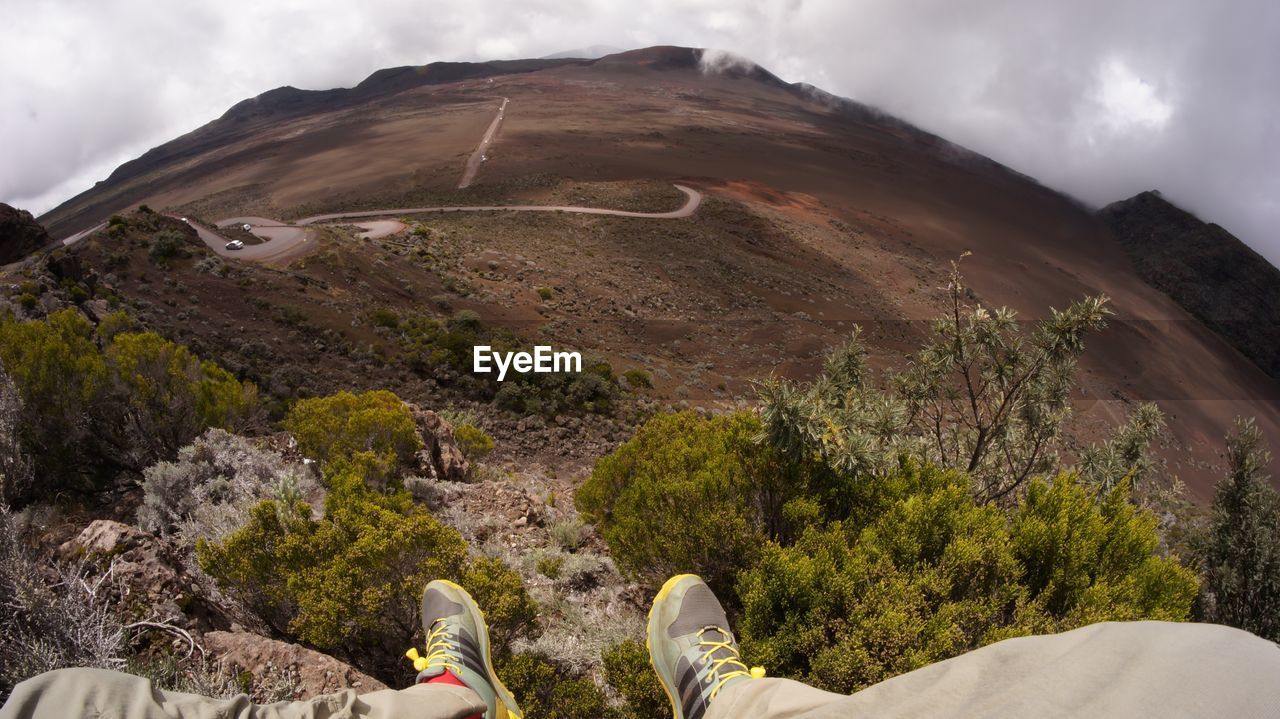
x=283, y=239
x=478, y=157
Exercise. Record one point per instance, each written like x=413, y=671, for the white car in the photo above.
x=235, y=245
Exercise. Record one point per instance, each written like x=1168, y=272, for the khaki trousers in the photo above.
x=1138, y=669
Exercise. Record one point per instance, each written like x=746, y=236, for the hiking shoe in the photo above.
x=458, y=642
x=691, y=647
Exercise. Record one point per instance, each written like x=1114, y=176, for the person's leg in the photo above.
x=1103, y=670
x=455, y=681
x=113, y=695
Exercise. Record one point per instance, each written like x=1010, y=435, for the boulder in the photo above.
x=20, y=234
x=316, y=673
x=105, y=537
x=440, y=457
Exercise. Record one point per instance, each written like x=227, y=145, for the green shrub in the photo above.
x=384, y=317
x=337, y=428
x=473, y=441
x=545, y=691
x=545, y=293
x=687, y=494
x=1241, y=555
x=350, y=581
x=167, y=244
x=550, y=565
x=628, y=672
x=99, y=401
x=934, y=574
x=638, y=379
x=28, y=301
x=569, y=534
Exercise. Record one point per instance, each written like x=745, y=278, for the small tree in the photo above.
x=1126, y=454
x=981, y=396
x=1241, y=555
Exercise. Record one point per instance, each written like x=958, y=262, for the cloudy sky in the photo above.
x=1100, y=98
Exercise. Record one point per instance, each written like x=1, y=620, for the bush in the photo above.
x=350, y=582
x=335, y=429
x=933, y=574
x=545, y=293
x=545, y=691
x=95, y=402
x=638, y=379
x=473, y=441
x=687, y=494
x=169, y=396
x=208, y=491
x=50, y=626
x=1241, y=555
x=166, y=245
x=384, y=317
x=569, y=534
x=628, y=672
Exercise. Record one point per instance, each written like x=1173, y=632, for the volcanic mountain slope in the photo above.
x=819, y=213
x=1206, y=269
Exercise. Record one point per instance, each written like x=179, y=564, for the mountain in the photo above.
x=591, y=52
x=817, y=212
x=1204, y=268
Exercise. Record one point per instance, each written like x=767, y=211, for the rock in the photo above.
x=105, y=536
x=440, y=457
x=317, y=673
x=20, y=234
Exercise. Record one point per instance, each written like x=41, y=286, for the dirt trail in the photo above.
x=284, y=240
x=478, y=157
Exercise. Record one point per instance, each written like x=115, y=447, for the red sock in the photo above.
x=448, y=677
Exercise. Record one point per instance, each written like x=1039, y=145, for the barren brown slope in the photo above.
x=859, y=212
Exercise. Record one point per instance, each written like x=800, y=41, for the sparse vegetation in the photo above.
x=1241, y=555
x=474, y=442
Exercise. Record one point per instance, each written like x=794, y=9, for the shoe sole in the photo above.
x=668, y=682
x=504, y=695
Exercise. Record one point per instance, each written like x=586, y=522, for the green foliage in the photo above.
x=1241, y=555
x=638, y=378
x=350, y=581
x=337, y=428
x=168, y=396
x=474, y=442
x=1125, y=455
x=687, y=494
x=545, y=293
x=384, y=317
x=982, y=396
x=931, y=573
x=628, y=672
x=543, y=690
x=569, y=534
x=97, y=400
x=166, y=245
x=550, y=565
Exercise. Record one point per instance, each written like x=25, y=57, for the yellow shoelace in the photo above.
x=738, y=669
x=441, y=651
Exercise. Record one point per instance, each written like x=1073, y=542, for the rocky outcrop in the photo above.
x=440, y=457
x=148, y=577
x=1206, y=269
x=20, y=234
x=315, y=673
